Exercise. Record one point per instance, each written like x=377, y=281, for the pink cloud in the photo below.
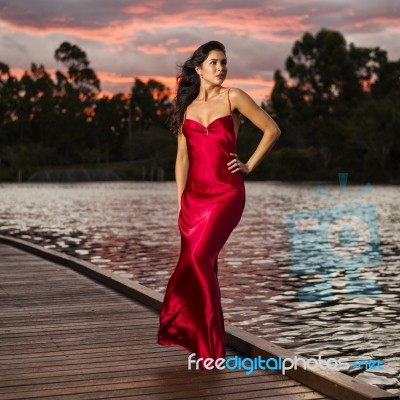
x=149, y=49
x=249, y=21
x=150, y=37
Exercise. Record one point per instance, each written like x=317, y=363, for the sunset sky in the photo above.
x=125, y=39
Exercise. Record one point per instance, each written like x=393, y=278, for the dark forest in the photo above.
x=338, y=107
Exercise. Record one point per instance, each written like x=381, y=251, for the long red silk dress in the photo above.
x=212, y=204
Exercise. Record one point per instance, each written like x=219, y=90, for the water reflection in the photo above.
x=131, y=229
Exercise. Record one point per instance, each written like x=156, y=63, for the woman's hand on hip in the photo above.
x=236, y=165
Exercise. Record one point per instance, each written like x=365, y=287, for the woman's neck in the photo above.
x=207, y=93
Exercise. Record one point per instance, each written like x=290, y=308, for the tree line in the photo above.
x=338, y=107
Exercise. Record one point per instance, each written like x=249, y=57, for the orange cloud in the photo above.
x=114, y=35
x=186, y=49
x=256, y=22
x=17, y=72
x=391, y=24
x=138, y=9
x=112, y=83
x=245, y=21
x=148, y=49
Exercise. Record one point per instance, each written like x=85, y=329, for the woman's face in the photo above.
x=214, y=67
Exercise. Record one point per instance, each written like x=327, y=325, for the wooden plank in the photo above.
x=67, y=337
x=42, y=353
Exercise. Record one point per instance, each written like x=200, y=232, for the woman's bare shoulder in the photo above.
x=236, y=92
x=237, y=97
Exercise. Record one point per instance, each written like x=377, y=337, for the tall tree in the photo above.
x=9, y=97
x=83, y=77
x=37, y=89
x=150, y=103
x=77, y=91
x=325, y=72
x=324, y=97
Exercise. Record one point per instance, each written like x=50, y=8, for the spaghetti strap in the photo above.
x=230, y=109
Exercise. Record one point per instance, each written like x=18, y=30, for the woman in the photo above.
x=211, y=197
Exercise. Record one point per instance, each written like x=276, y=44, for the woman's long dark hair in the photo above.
x=188, y=82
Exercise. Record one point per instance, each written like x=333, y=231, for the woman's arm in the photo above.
x=247, y=107
x=181, y=167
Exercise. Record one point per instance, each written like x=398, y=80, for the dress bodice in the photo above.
x=209, y=149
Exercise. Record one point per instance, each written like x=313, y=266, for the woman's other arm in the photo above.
x=271, y=132
x=181, y=167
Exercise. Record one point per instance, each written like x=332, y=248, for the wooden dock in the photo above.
x=71, y=330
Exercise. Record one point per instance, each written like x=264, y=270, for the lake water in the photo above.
x=268, y=269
